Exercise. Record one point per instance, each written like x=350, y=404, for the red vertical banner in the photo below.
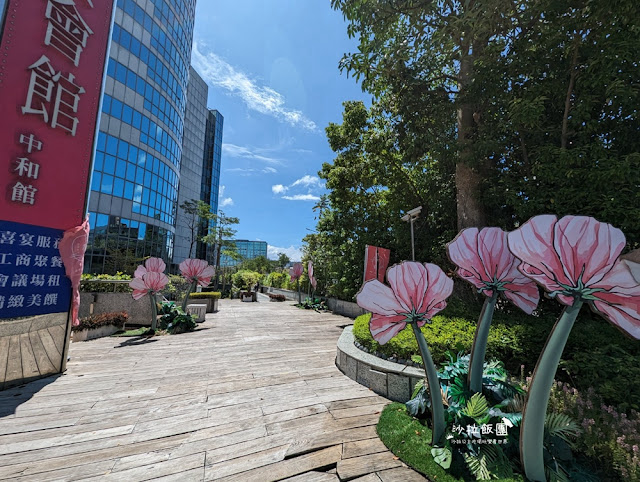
x=376, y=261
x=51, y=75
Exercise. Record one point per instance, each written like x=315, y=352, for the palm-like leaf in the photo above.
x=561, y=426
x=490, y=462
x=477, y=406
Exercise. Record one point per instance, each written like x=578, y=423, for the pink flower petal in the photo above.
x=155, y=265
x=137, y=284
x=408, y=280
x=155, y=281
x=439, y=288
x=494, y=253
x=379, y=299
x=140, y=272
x=524, y=296
x=138, y=294
x=463, y=252
x=383, y=328
x=585, y=244
x=533, y=244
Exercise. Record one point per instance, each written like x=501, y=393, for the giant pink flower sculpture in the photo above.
x=416, y=292
x=484, y=260
x=150, y=284
x=296, y=271
x=312, y=279
x=197, y=271
x=576, y=258
x=149, y=280
x=153, y=265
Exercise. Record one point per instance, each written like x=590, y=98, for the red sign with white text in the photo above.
x=51, y=72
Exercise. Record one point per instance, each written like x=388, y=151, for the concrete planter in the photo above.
x=96, y=303
x=93, y=333
x=391, y=380
x=212, y=305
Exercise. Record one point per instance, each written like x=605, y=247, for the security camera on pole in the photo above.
x=410, y=217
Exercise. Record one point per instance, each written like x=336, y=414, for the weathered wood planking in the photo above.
x=253, y=394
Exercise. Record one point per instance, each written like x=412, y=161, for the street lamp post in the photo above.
x=410, y=217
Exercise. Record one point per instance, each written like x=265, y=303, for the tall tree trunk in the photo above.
x=567, y=102
x=468, y=180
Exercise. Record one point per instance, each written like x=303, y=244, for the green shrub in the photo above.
x=212, y=295
x=277, y=280
x=596, y=355
x=101, y=287
x=104, y=319
x=245, y=279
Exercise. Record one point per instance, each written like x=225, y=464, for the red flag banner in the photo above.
x=376, y=261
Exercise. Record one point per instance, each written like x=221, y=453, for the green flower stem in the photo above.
x=437, y=408
x=299, y=295
x=535, y=410
x=192, y=287
x=479, y=347
x=154, y=311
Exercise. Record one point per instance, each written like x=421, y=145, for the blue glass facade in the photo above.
x=134, y=188
x=247, y=250
x=211, y=173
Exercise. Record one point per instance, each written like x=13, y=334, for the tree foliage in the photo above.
x=483, y=112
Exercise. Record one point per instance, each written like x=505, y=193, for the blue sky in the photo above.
x=272, y=71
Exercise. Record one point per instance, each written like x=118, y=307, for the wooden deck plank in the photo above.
x=194, y=406
x=14, y=360
x=49, y=346
x=42, y=359
x=4, y=354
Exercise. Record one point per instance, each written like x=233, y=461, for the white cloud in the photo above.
x=279, y=189
x=302, y=197
x=261, y=98
x=232, y=150
x=308, y=181
x=250, y=171
x=295, y=254
x=224, y=201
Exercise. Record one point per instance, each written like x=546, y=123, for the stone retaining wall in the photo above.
x=139, y=311
x=339, y=307
x=391, y=380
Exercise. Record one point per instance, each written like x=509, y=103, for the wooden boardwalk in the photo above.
x=252, y=395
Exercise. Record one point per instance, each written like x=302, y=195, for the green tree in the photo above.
x=283, y=260
x=197, y=216
x=220, y=234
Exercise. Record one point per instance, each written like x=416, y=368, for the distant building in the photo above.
x=199, y=169
x=247, y=250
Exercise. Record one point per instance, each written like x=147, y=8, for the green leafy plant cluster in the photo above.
x=313, y=304
x=210, y=295
x=174, y=320
x=103, y=319
x=89, y=286
x=500, y=403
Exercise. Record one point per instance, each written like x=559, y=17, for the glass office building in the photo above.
x=210, y=183
x=247, y=250
x=134, y=188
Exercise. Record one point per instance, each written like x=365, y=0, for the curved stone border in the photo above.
x=391, y=380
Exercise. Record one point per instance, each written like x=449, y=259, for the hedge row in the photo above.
x=596, y=355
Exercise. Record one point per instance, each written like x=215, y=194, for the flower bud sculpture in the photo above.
x=575, y=259
x=484, y=260
x=416, y=292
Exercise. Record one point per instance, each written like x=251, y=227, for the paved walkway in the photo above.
x=252, y=395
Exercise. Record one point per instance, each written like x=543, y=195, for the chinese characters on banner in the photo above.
x=32, y=276
x=50, y=87
x=376, y=261
x=481, y=434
